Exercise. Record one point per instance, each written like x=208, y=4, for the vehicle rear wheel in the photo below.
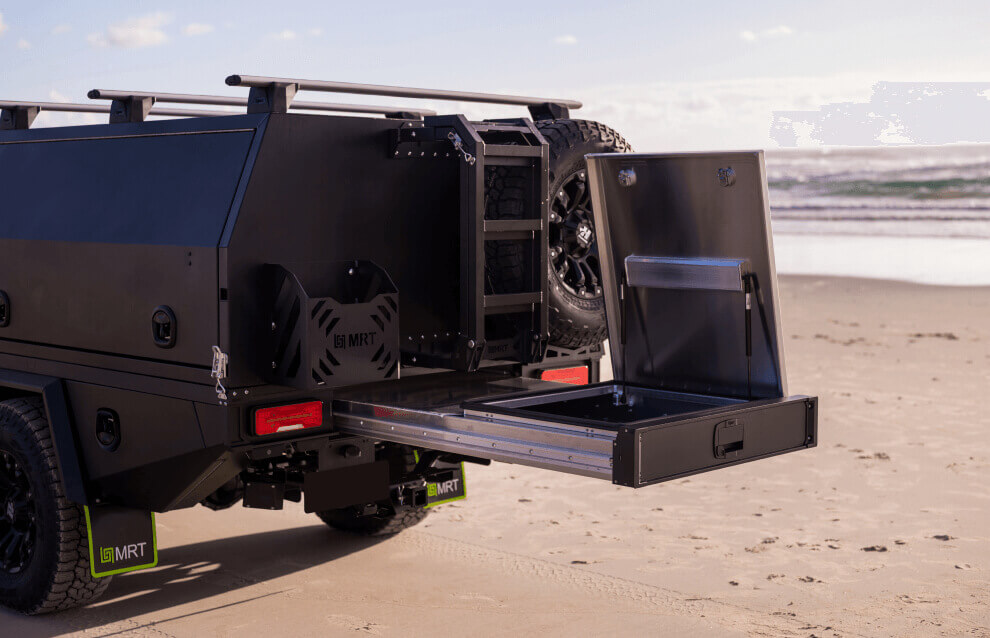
x=44, y=546
x=390, y=519
x=577, y=307
x=377, y=524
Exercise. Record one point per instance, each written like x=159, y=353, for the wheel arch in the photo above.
x=14, y=384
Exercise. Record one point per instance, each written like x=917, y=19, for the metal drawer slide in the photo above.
x=657, y=436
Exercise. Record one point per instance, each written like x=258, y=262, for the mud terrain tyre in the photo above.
x=44, y=550
x=402, y=460
x=576, y=304
x=376, y=525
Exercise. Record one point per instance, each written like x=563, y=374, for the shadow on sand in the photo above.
x=196, y=571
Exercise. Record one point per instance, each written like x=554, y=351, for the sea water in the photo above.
x=915, y=213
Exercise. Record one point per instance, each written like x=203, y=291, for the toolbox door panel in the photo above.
x=96, y=233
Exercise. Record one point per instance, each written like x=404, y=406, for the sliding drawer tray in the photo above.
x=659, y=435
x=691, y=300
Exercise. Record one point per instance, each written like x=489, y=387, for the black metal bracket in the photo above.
x=414, y=142
x=535, y=347
x=19, y=118
x=468, y=353
x=549, y=111
x=131, y=109
x=274, y=98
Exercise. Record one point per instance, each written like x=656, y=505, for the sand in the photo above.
x=882, y=530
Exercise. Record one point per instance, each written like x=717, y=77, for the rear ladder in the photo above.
x=494, y=325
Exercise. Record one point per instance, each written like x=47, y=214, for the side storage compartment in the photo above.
x=650, y=454
x=149, y=451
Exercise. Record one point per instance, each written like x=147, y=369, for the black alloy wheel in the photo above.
x=18, y=516
x=573, y=250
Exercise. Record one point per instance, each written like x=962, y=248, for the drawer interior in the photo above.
x=606, y=405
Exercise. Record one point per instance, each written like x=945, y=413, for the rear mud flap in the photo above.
x=446, y=486
x=120, y=540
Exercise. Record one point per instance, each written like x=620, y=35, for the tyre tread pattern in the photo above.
x=70, y=584
x=375, y=525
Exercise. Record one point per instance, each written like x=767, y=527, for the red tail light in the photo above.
x=285, y=418
x=576, y=376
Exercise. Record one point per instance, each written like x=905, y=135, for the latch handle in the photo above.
x=163, y=327
x=4, y=309
x=728, y=439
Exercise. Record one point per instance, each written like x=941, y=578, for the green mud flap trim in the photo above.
x=453, y=489
x=120, y=540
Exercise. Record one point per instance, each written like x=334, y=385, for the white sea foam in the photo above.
x=929, y=260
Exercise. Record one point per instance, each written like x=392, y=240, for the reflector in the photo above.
x=285, y=418
x=575, y=376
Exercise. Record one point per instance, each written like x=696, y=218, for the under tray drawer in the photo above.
x=647, y=454
x=658, y=435
x=631, y=435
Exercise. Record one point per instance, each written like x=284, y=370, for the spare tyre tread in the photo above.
x=574, y=322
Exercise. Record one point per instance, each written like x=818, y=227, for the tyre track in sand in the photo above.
x=660, y=600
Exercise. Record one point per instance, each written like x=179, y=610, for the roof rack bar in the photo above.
x=71, y=107
x=20, y=115
x=221, y=100
x=175, y=98
x=255, y=81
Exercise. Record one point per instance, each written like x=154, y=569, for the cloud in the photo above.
x=60, y=29
x=284, y=34
x=23, y=44
x=197, y=28
x=565, y=40
x=778, y=31
x=57, y=118
x=724, y=114
x=143, y=31
x=3, y=25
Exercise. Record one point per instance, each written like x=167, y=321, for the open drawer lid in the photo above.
x=690, y=284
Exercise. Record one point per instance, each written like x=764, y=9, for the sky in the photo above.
x=668, y=75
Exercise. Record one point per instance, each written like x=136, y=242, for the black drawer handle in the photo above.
x=728, y=439
x=4, y=309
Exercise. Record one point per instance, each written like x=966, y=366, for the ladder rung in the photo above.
x=525, y=162
x=512, y=228
x=508, y=150
x=517, y=302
